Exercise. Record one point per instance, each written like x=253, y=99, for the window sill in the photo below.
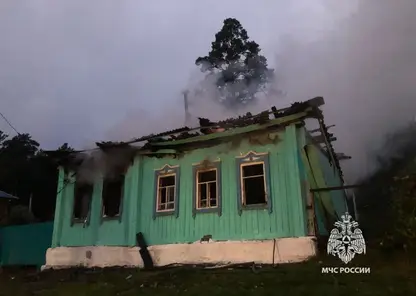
x=114, y=218
x=77, y=221
x=165, y=213
x=207, y=210
x=255, y=207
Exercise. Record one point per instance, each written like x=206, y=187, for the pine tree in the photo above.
x=235, y=64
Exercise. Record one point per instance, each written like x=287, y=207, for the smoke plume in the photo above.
x=358, y=55
x=364, y=68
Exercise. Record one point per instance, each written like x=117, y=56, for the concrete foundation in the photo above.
x=282, y=250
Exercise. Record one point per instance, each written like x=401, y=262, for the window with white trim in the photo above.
x=206, y=188
x=166, y=193
x=253, y=184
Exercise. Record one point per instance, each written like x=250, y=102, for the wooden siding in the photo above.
x=332, y=179
x=25, y=244
x=98, y=232
x=321, y=175
x=286, y=219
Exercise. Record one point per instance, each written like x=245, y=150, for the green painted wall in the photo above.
x=332, y=179
x=303, y=173
x=286, y=220
x=98, y=232
x=25, y=244
x=321, y=175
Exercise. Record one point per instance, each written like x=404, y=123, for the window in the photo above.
x=207, y=187
x=253, y=182
x=82, y=202
x=112, y=196
x=166, y=191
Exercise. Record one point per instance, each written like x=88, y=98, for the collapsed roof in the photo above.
x=227, y=127
x=211, y=133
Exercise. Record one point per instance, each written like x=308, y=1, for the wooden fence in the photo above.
x=24, y=245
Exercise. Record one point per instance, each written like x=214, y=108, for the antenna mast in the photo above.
x=185, y=100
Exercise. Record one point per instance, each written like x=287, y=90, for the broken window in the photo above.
x=253, y=184
x=166, y=193
x=82, y=200
x=112, y=196
x=206, y=189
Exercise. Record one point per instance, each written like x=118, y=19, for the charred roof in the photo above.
x=207, y=126
x=213, y=131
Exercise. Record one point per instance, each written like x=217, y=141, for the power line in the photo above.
x=8, y=122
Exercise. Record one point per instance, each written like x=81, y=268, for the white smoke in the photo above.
x=363, y=66
x=358, y=55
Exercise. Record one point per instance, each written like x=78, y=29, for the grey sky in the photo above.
x=79, y=71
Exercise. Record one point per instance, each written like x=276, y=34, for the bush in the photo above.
x=402, y=231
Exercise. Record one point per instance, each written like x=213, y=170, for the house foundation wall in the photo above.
x=275, y=251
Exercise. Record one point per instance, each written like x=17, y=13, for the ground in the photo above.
x=390, y=275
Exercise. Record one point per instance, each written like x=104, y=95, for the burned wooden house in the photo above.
x=233, y=191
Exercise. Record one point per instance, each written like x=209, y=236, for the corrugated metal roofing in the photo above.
x=230, y=127
x=203, y=132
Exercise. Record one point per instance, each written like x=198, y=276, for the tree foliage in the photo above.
x=25, y=171
x=402, y=231
x=235, y=65
x=387, y=206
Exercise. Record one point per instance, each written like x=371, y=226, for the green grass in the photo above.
x=389, y=276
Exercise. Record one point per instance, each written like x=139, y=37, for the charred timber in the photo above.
x=337, y=188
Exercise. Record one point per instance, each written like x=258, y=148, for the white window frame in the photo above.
x=159, y=190
x=198, y=196
x=242, y=184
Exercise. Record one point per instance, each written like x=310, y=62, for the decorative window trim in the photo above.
x=120, y=211
x=86, y=221
x=252, y=158
x=213, y=165
x=165, y=171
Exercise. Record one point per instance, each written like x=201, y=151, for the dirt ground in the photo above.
x=389, y=276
